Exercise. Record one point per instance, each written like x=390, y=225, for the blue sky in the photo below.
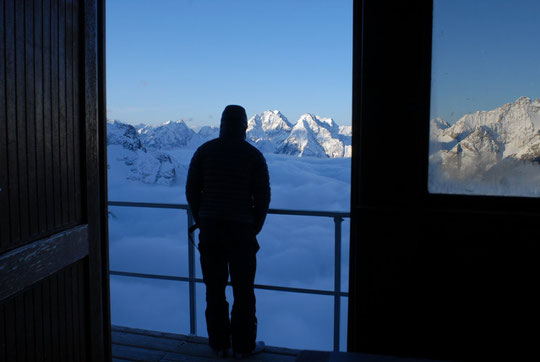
x=181, y=59
x=187, y=59
x=485, y=53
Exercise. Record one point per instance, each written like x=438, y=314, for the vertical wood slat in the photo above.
x=9, y=328
x=29, y=316
x=57, y=178
x=11, y=131
x=68, y=314
x=4, y=177
x=69, y=108
x=38, y=322
x=61, y=321
x=62, y=109
x=38, y=111
x=20, y=341
x=82, y=297
x=77, y=111
x=55, y=340
x=29, y=119
x=47, y=116
x=47, y=331
x=3, y=356
x=20, y=95
x=76, y=312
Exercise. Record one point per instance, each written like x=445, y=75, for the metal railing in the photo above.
x=191, y=279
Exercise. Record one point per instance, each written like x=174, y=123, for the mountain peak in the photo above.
x=523, y=100
x=269, y=121
x=439, y=123
x=172, y=123
x=314, y=121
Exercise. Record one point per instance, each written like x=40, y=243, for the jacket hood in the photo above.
x=233, y=123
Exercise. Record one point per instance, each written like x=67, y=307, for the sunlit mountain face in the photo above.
x=494, y=152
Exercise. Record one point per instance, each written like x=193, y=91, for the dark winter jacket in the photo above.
x=228, y=178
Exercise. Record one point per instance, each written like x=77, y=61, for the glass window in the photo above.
x=485, y=106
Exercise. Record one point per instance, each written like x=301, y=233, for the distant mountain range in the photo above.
x=310, y=136
x=154, y=154
x=269, y=131
x=491, y=152
x=487, y=146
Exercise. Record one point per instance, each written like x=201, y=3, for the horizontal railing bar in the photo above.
x=270, y=211
x=298, y=290
x=152, y=276
x=149, y=204
x=256, y=286
x=309, y=213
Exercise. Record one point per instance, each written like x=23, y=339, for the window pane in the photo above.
x=485, y=115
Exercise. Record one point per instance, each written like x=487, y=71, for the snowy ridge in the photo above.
x=312, y=133
x=171, y=134
x=119, y=133
x=150, y=154
x=486, y=146
x=126, y=151
x=269, y=131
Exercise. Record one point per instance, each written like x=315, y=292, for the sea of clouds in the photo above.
x=296, y=251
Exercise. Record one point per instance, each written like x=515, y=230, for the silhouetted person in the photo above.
x=228, y=191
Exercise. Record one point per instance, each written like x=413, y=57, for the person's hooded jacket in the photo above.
x=228, y=178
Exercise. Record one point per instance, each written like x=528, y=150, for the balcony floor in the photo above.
x=130, y=344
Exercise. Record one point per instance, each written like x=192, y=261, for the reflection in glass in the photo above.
x=485, y=121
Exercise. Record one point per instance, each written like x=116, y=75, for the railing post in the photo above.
x=337, y=280
x=191, y=265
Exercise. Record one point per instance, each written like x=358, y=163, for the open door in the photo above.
x=54, y=291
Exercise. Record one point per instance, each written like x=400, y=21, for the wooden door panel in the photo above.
x=48, y=321
x=41, y=177
x=53, y=240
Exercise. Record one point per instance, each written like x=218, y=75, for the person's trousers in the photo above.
x=229, y=248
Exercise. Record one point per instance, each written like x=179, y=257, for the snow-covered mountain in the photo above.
x=150, y=152
x=126, y=135
x=486, y=143
x=269, y=131
x=126, y=150
x=171, y=134
x=316, y=136
x=312, y=135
